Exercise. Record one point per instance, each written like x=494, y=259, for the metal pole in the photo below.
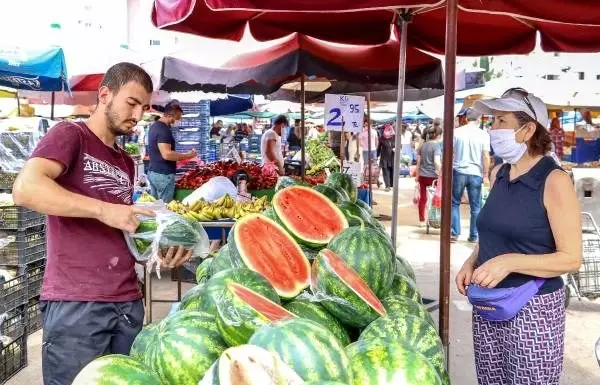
x=369, y=147
x=52, y=107
x=404, y=19
x=18, y=104
x=302, y=132
x=449, y=96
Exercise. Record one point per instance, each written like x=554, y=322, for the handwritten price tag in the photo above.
x=345, y=111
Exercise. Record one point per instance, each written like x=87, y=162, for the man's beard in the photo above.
x=114, y=122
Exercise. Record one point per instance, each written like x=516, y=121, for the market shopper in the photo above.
x=163, y=157
x=529, y=229
x=470, y=169
x=270, y=145
x=363, y=139
x=385, y=151
x=429, y=164
x=83, y=181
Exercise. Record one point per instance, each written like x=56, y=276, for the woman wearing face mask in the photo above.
x=529, y=235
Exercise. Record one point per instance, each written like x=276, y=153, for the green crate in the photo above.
x=181, y=193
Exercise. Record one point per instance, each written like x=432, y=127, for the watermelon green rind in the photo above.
x=369, y=253
x=343, y=193
x=216, y=285
x=283, y=182
x=285, y=250
x=300, y=232
x=397, y=304
x=404, y=268
x=313, y=311
x=335, y=293
x=116, y=369
x=414, y=332
x=309, y=348
x=389, y=362
x=338, y=179
x=203, y=270
x=238, y=320
x=330, y=193
x=193, y=299
x=405, y=287
x=324, y=383
x=184, y=347
x=365, y=206
x=223, y=261
x=140, y=344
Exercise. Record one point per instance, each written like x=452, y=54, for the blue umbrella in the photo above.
x=230, y=105
x=35, y=70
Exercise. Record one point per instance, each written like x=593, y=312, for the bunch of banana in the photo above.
x=223, y=208
x=145, y=197
x=177, y=207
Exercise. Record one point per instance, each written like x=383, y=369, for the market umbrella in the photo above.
x=231, y=104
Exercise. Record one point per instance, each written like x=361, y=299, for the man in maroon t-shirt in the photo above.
x=83, y=181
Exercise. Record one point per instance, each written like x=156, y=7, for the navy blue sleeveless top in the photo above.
x=514, y=220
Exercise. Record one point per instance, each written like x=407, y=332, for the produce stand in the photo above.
x=216, y=230
x=181, y=194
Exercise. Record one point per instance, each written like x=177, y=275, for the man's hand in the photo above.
x=122, y=217
x=175, y=257
x=192, y=153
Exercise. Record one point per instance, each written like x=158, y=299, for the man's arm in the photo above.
x=168, y=154
x=36, y=189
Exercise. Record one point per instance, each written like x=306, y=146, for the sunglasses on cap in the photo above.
x=523, y=95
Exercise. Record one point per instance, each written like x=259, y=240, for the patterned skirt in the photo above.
x=526, y=350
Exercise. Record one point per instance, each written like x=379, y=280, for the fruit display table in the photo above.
x=181, y=194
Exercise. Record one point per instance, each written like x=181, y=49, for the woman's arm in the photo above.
x=564, y=215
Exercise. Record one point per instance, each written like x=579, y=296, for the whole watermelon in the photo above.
x=222, y=261
x=116, y=369
x=313, y=311
x=405, y=287
x=343, y=193
x=369, y=253
x=184, y=347
x=216, y=285
x=364, y=206
x=344, y=181
x=140, y=344
x=414, y=332
x=330, y=193
x=283, y=182
x=192, y=300
x=389, y=362
x=203, y=270
x=342, y=291
x=397, y=304
x=404, y=268
x=307, y=347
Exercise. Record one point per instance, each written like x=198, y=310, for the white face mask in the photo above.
x=505, y=145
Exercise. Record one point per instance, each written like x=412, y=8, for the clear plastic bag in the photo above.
x=156, y=235
x=15, y=148
x=416, y=195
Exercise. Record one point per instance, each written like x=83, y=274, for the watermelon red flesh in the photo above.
x=260, y=304
x=308, y=215
x=353, y=281
x=265, y=247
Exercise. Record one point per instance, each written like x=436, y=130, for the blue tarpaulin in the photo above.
x=230, y=105
x=33, y=69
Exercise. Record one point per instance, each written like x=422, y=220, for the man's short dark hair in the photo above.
x=122, y=73
x=172, y=107
x=281, y=119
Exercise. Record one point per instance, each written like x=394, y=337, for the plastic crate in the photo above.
x=14, y=324
x=34, y=316
x=7, y=179
x=187, y=136
x=27, y=246
x=186, y=147
x=13, y=293
x=13, y=358
x=19, y=218
x=35, y=276
x=196, y=108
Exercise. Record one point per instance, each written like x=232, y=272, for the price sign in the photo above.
x=353, y=169
x=345, y=111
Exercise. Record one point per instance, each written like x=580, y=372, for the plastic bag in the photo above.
x=15, y=148
x=437, y=195
x=417, y=195
x=167, y=229
x=212, y=190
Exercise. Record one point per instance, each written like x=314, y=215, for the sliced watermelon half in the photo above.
x=343, y=291
x=266, y=248
x=311, y=217
x=241, y=311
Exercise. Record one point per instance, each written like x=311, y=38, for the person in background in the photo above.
x=313, y=133
x=293, y=139
x=530, y=229
x=163, y=157
x=352, y=150
x=429, y=165
x=558, y=138
x=363, y=139
x=385, y=151
x=470, y=169
x=406, y=141
x=215, y=131
x=335, y=142
x=270, y=145
x=77, y=176
x=240, y=133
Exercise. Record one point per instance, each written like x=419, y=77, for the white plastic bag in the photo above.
x=212, y=190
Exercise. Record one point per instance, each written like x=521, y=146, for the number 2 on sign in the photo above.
x=334, y=122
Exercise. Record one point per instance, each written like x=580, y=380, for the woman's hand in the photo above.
x=493, y=271
x=463, y=278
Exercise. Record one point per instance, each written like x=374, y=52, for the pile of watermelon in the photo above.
x=311, y=292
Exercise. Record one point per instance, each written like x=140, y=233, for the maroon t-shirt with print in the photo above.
x=88, y=260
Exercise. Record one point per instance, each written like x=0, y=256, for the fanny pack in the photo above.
x=501, y=304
